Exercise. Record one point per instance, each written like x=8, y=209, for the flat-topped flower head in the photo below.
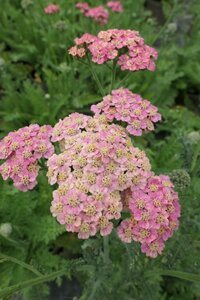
x=83, y=6
x=98, y=14
x=156, y=210
x=51, y=9
x=115, y=6
x=107, y=45
x=122, y=105
x=22, y=149
x=96, y=164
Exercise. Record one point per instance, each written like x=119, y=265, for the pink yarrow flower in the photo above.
x=51, y=9
x=115, y=6
x=156, y=210
x=99, y=13
x=106, y=45
x=97, y=162
x=122, y=105
x=22, y=149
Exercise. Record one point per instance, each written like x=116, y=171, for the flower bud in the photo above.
x=181, y=179
x=193, y=137
x=26, y=3
x=5, y=229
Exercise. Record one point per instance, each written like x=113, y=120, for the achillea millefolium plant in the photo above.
x=99, y=173
x=103, y=169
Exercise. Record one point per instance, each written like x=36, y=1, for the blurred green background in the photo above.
x=40, y=83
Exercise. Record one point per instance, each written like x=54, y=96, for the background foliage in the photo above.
x=40, y=83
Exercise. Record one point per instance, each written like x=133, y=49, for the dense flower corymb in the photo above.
x=155, y=212
x=123, y=105
x=22, y=149
x=97, y=163
x=115, y=6
x=51, y=9
x=108, y=45
x=99, y=13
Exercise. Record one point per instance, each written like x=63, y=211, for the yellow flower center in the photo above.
x=59, y=207
x=91, y=178
x=104, y=151
x=81, y=187
x=135, y=124
x=71, y=131
x=25, y=180
x=154, y=246
x=70, y=219
x=14, y=146
x=84, y=227
x=62, y=176
x=106, y=181
x=98, y=196
x=140, y=203
x=42, y=148
x=122, y=179
x=157, y=203
x=62, y=190
x=103, y=222
x=170, y=209
x=145, y=216
x=90, y=210
x=27, y=154
x=32, y=168
x=144, y=233
x=73, y=202
x=137, y=112
x=82, y=161
x=91, y=148
x=153, y=187
x=160, y=219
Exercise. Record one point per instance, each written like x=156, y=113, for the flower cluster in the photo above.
x=115, y=6
x=154, y=215
x=22, y=149
x=97, y=163
x=99, y=13
x=51, y=9
x=107, y=45
x=123, y=105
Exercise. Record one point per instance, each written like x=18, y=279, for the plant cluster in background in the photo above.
x=36, y=87
x=99, y=13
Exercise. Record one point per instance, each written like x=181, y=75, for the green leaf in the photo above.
x=41, y=279
x=181, y=275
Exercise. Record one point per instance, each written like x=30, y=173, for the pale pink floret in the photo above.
x=51, y=9
x=86, y=230
x=153, y=249
x=124, y=231
x=115, y=6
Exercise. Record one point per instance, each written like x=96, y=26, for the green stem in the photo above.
x=95, y=76
x=94, y=289
x=125, y=78
x=165, y=24
x=20, y=263
x=17, y=287
x=106, y=249
x=113, y=75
